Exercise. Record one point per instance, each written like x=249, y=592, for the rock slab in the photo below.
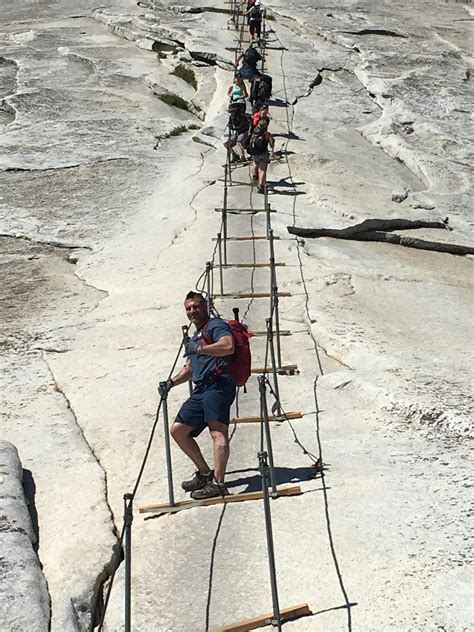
x=24, y=599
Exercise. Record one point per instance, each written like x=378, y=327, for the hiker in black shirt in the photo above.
x=248, y=68
x=258, y=145
x=239, y=126
x=254, y=18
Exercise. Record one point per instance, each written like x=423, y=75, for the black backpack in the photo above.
x=258, y=144
x=255, y=13
x=264, y=89
x=252, y=56
x=240, y=122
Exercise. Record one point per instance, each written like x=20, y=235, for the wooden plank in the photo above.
x=252, y=295
x=283, y=332
x=301, y=610
x=247, y=238
x=244, y=210
x=290, y=414
x=286, y=367
x=236, y=183
x=294, y=490
x=248, y=265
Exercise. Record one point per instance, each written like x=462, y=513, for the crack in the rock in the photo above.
x=75, y=166
x=106, y=572
x=318, y=80
x=207, y=10
x=53, y=243
x=92, y=287
x=385, y=32
x=326, y=352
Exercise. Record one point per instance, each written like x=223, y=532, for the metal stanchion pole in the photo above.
x=274, y=301
x=274, y=367
x=229, y=151
x=221, y=271
x=209, y=287
x=266, y=427
x=163, y=391
x=224, y=216
x=263, y=466
x=267, y=213
x=128, y=519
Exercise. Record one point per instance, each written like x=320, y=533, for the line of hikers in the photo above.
x=218, y=352
x=248, y=131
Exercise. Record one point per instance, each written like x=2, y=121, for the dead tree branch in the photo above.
x=381, y=230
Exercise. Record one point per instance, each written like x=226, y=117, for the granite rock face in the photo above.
x=110, y=175
x=24, y=595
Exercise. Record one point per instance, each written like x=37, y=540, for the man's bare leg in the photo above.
x=181, y=434
x=220, y=442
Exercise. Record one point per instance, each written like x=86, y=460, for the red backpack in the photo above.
x=240, y=369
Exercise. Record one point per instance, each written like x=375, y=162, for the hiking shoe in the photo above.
x=198, y=481
x=261, y=189
x=211, y=490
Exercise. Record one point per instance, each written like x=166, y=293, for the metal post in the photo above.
x=185, y=330
x=163, y=391
x=266, y=427
x=267, y=212
x=209, y=286
x=224, y=216
x=274, y=367
x=128, y=519
x=263, y=466
x=274, y=301
x=229, y=152
x=221, y=271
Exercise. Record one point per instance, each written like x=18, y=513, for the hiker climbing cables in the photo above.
x=239, y=124
x=257, y=147
x=254, y=18
x=248, y=68
x=237, y=92
x=208, y=352
x=262, y=112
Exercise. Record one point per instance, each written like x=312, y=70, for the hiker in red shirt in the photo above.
x=262, y=112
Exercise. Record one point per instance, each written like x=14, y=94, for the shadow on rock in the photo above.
x=282, y=474
x=29, y=488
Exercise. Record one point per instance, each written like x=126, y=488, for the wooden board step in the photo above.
x=247, y=238
x=245, y=210
x=252, y=295
x=287, y=614
x=290, y=414
x=283, y=332
x=236, y=183
x=248, y=265
x=294, y=490
x=290, y=368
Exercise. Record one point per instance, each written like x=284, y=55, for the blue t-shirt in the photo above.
x=204, y=366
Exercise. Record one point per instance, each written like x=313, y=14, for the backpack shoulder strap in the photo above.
x=204, y=337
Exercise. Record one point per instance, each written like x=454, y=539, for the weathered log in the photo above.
x=380, y=230
x=367, y=225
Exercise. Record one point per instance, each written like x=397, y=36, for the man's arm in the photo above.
x=183, y=376
x=223, y=347
x=271, y=141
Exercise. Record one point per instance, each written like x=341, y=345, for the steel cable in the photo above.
x=316, y=350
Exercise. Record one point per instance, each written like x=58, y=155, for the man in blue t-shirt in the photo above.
x=209, y=352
